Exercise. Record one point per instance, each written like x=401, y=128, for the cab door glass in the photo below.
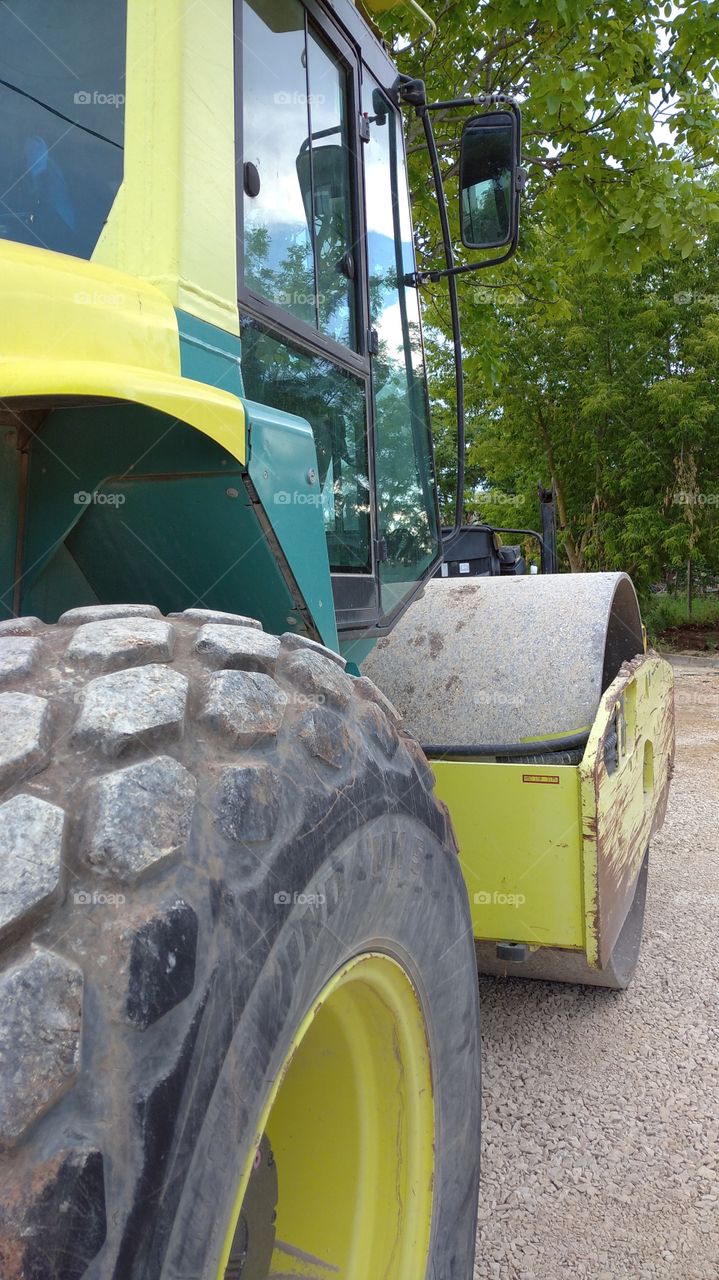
x=332, y=195
x=333, y=401
x=278, y=255
x=298, y=207
x=406, y=501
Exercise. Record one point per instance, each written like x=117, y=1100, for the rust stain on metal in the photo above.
x=629, y=805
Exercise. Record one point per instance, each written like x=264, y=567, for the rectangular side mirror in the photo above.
x=490, y=180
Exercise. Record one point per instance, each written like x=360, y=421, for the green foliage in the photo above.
x=619, y=113
x=591, y=358
x=662, y=612
x=617, y=402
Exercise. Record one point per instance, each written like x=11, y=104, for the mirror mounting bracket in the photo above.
x=478, y=100
x=412, y=93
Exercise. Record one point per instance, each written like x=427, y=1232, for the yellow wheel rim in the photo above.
x=350, y=1119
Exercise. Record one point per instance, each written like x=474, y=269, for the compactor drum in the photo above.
x=550, y=731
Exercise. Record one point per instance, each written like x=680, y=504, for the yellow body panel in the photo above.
x=72, y=328
x=622, y=809
x=173, y=222
x=551, y=855
x=519, y=834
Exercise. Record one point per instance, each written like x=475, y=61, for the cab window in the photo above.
x=333, y=401
x=297, y=199
x=298, y=254
x=62, y=119
x=406, y=494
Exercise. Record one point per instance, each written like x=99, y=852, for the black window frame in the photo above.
x=357, y=595
x=272, y=314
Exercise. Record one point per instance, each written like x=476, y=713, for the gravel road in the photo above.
x=601, y=1110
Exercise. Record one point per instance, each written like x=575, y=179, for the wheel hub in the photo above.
x=251, y=1252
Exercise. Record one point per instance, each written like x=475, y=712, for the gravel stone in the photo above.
x=620, y=1089
x=139, y=817
x=31, y=833
x=40, y=1019
x=236, y=647
x=243, y=706
x=145, y=705
x=25, y=735
x=122, y=642
x=18, y=657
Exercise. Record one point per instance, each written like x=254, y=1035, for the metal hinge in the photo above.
x=364, y=127
x=380, y=550
x=373, y=342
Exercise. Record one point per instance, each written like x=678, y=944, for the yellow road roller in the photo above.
x=239, y=1032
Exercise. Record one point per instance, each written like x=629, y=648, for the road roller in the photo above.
x=265, y=778
x=549, y=727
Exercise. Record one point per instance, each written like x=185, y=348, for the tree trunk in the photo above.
x=574, y=553
x=690, y=586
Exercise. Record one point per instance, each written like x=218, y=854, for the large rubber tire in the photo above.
x=166, y=786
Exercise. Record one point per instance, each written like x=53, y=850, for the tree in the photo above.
x=616, y=401
x=581, y=364
x=619, y=105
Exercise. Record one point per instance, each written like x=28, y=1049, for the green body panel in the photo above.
x=176, y=528
x=9, y=473
x=209, y=354
x=281, y=456
x=168, y=517
x=282, y=463
x=355, y=651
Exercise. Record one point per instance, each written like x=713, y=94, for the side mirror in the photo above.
x=490, y=180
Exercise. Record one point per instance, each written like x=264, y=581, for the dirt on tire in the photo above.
x=199, y=824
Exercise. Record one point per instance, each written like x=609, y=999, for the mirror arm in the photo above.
x=432, y=276
x=479, y=100
x=413, y=92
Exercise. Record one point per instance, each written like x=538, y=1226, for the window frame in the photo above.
x=387, y=618
x=357, y=595
x=260, y=308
